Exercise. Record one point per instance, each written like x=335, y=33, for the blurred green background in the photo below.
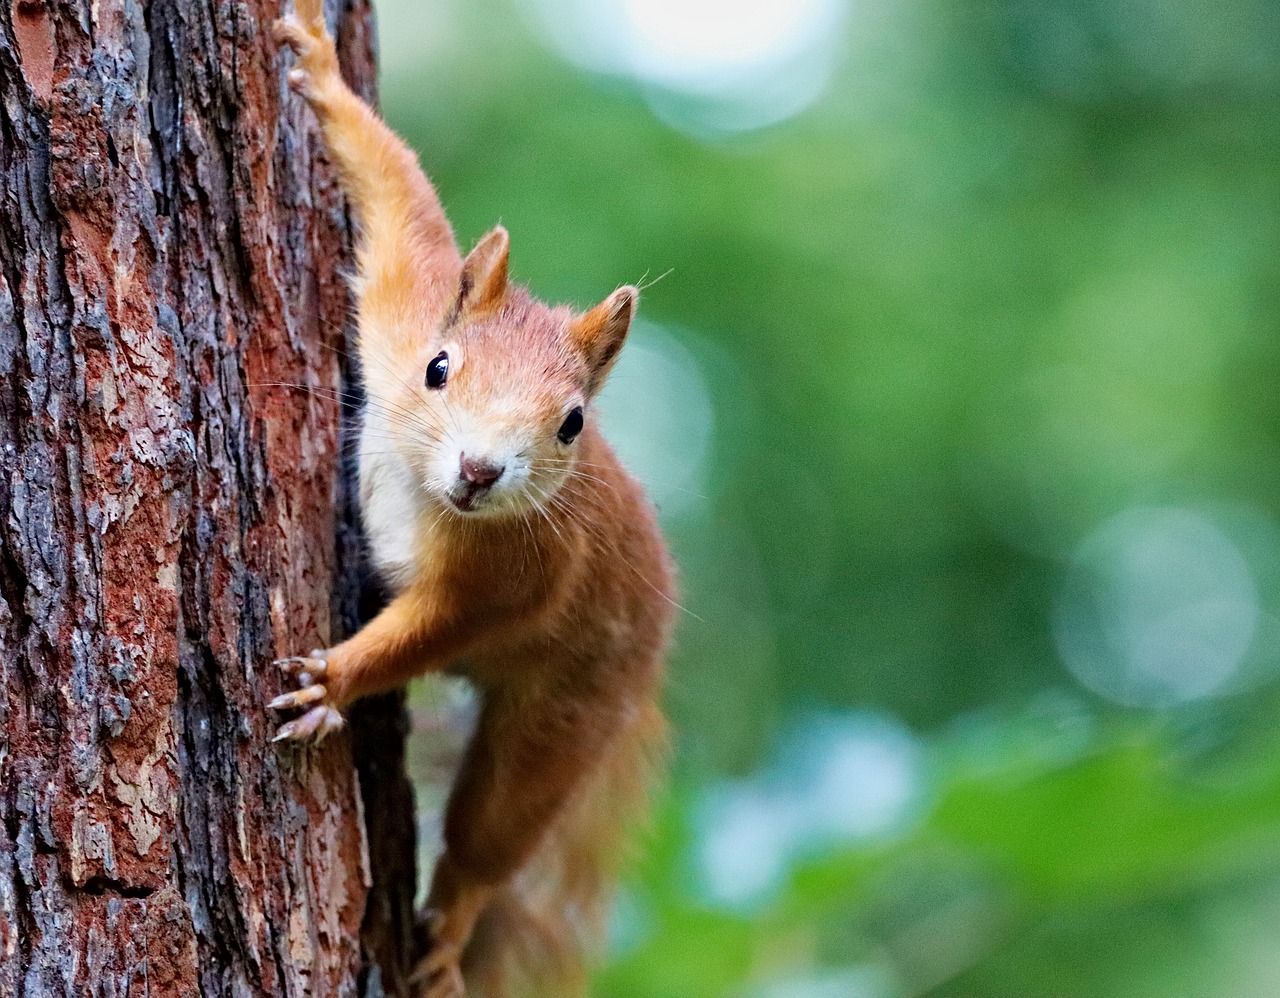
x=958, y=395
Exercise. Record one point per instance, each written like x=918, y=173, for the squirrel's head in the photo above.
x=504, y=390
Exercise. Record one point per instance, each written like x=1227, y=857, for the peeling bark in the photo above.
x=170, y=249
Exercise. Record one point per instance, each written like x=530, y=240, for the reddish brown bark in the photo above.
x=169, y=248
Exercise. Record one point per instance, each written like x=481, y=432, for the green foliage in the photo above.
x=1113, y=871
x=1012, y=275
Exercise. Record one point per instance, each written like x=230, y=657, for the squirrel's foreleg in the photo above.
x=406, y=240
x=409, y=637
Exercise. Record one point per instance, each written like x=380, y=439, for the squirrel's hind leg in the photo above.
x=528, y=757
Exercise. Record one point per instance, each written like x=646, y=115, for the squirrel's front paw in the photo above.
x=306, y=34
x=321, y=719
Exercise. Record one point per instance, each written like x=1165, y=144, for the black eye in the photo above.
x=438, y=370
x=571, y=426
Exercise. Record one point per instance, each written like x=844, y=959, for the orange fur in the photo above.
x=550, y=589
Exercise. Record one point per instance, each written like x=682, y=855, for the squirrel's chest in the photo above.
x=389, y=508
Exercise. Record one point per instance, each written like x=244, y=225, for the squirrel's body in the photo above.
x=519, y=554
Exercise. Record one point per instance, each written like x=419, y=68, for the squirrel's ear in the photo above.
x=483, y=284
x=599, y=333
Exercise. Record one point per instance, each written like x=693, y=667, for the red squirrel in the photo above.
x=521, y=555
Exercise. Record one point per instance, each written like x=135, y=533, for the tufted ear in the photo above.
x=483, y=284
x=599, y=333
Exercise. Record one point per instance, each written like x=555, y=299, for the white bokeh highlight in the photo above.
x=656, y=411
x=707, y=66
x=842, y=780
x=1159, y=608
x=849, y=982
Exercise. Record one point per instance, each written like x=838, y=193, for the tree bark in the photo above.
x=170, y=251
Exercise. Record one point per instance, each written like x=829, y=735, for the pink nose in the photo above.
x=481, y=473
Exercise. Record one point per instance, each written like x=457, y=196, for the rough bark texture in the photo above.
x=169, y=249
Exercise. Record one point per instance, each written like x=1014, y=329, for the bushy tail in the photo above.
x=538, y=938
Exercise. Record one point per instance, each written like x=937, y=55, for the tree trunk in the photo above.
x=170, y=249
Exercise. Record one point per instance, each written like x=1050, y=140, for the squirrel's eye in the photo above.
x=438, y=370
x=571, y=426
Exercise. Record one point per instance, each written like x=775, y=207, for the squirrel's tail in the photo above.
x=537, y=938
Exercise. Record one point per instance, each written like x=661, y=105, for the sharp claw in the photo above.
x=318, y=722
x=298, y=698
x=332, y=721
x=306, y=725
x=311, y=665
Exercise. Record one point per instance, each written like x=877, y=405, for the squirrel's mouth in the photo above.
x=469, y=498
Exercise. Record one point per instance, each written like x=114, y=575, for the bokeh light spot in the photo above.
x=707, y=66
x=849, y=982
x=840, y=779
x=1159, y=608
x=657, y=414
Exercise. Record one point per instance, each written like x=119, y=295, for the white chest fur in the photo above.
x=390, y=504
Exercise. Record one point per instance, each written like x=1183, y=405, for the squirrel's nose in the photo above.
x=480, y=473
